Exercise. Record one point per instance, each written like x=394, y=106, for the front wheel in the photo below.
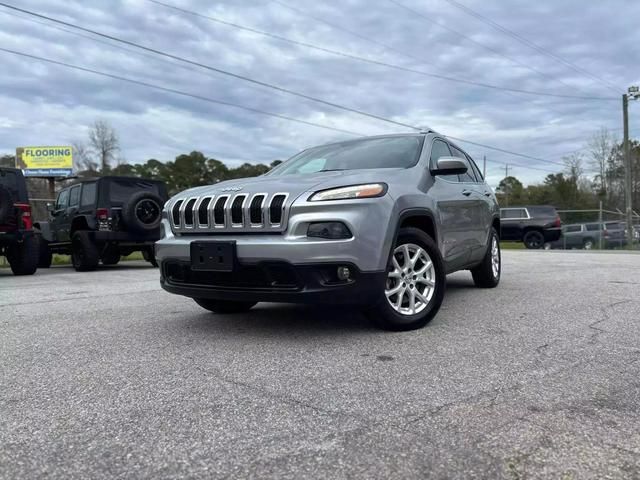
x=533, y=239
x=487, y=274
x=415, y=283
x=224, y=306
x=588, y=244
x=150, y=257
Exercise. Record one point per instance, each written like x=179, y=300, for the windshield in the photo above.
x=388, y=152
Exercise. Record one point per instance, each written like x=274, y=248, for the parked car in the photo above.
x=589, y=235
x=102, y=219
x=377, y=222
x=532, y=225
x=18, y=242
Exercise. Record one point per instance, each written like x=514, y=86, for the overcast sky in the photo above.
x=44, y=104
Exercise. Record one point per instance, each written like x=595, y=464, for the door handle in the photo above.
x=466, y=193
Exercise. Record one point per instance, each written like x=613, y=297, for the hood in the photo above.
x=295, y=185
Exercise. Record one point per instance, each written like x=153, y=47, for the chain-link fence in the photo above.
x=596, y=229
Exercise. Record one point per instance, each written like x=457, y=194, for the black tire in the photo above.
x=6, y=204
x=224, y=306
x=84, y=253
x=23, y=256
x=150, y=257
x=533, y=239
x=111, y=256
x=588, y=244
x=383, y=314
x=483, y=275
x=143, y=212
x=45, y=257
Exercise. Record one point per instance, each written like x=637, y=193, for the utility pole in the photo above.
x=484, y=166
x=634, y=93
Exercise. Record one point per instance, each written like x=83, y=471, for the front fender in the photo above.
x=45, y=230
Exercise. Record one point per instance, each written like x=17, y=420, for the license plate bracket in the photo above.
x=215, y=256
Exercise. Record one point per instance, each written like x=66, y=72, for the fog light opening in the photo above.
x=344, y=273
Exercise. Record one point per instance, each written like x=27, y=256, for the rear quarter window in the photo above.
x=122, y=190
x=542, y=211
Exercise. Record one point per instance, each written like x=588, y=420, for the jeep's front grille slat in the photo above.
x=241, y=212
x=175, y=213
x=188, y=212
x=218, y=211
x=275, y=209
x=203, y=212
x=236, y=210
x=255, y=210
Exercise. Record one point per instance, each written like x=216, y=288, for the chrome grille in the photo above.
x=238, y=213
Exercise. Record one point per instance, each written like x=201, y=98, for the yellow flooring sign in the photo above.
x=45, y=161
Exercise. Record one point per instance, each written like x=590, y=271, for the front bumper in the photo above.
x=274, y=282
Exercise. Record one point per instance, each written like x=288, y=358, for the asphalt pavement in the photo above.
x=104, y=375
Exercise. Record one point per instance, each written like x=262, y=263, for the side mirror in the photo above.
x=450, y=166
x=50, y=207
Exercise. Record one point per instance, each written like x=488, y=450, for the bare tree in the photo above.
x=574, y=166
x=104, y=142
x=82, y=157
x=602, y=150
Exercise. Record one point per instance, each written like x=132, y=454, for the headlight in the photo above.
x=355, y=191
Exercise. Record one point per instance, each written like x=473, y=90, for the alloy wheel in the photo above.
x=411, y=281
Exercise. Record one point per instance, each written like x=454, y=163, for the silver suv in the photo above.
x=377, y=222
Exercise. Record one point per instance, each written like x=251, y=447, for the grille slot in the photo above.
x=218, y=211
x=276, y=208
x=188, y=212
x=255, y=210
x=175, y=212
x=236, y=210
x=203, y=212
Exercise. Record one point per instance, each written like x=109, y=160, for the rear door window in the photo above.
x=593, y=227
x=469, y=176
x=74, y=196
x=573, y=228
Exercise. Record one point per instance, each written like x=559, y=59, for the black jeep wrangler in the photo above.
x=17, y=239
x=102, y=219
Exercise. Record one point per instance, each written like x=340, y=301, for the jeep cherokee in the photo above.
x=102, y=219
x=377, y=222
x=17, y=239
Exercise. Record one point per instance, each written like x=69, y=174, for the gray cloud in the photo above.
x=49, y=104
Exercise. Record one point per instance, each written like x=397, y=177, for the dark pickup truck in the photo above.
x=532, y=225
x=17, y=239
x=102, y=219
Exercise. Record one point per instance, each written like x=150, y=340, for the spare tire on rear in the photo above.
x=6, y=203
x=142, y=212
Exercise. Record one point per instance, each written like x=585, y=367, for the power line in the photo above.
x=532, y=45
x=242, y=77
x=178, y=92
x=470, y=39
x=375, y=62
x=213, y=69
x=230, y=104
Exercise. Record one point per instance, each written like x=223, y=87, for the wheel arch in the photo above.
x=79, y=223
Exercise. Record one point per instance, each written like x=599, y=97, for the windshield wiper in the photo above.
x=332, y=170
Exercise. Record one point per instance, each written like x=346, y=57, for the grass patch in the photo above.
x=512, y=246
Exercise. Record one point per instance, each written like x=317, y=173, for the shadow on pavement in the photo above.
x=280, y=318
